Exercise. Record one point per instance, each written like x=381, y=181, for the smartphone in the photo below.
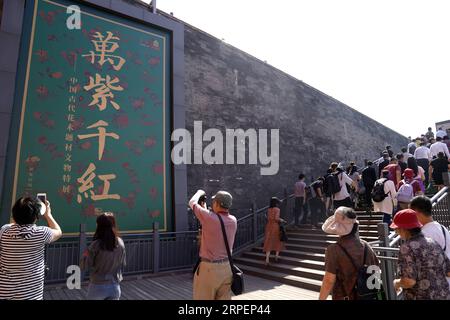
x=42, y=197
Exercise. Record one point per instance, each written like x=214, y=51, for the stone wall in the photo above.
x=227, y=88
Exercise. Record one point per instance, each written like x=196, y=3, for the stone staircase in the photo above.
x=302, y=264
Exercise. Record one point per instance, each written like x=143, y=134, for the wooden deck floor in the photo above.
x=179, y=287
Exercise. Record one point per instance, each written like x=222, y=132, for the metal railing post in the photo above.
x=448, y=207
x=284, y=209
x=387, y=264
x=82, y=244
x=156, y=247
x=255, y=223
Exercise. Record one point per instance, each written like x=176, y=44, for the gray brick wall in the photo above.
x=227, y=88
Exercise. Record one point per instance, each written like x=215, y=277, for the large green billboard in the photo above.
x=94, y=129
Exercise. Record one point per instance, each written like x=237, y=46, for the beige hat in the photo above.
x=339, y=223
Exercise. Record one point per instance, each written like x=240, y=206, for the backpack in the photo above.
x=363, y=292
x=316, y=185
x=332, y=185
x=405, y=192
x=378, y=194
x=308, y=192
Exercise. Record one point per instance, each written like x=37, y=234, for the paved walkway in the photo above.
x=179, y=287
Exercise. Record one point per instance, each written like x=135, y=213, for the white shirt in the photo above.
x=433, y=230
x=439, y=147
x=387, y=205
x=406, y=156
x=343, y=180
x=441, y=133
x=422, y=153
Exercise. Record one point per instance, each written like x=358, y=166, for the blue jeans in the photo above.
x=109, y=291
x=387, y=218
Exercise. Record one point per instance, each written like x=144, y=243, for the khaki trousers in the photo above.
x=212, y=281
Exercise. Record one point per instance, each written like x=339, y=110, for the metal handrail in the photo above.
x=388, y=253
x=438, y=196
x=395, y=241
x=387, y=249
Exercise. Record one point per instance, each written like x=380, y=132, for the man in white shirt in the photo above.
x=406, y=154
x=437, y=147
x=431, y=229
x=388, y=205
x=342, y=198
x=423, y=157
x=441, y=133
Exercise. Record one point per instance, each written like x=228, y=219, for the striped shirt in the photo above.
x=22, y=264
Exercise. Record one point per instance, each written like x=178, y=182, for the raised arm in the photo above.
x=52, y=224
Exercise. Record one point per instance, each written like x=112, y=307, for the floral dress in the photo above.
x=423, y=260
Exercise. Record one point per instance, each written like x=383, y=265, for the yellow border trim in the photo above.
x=24, y=102
x=105, y=19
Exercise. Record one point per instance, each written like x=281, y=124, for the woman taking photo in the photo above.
x=22, y=250
x=272, y=240
x=105, y=259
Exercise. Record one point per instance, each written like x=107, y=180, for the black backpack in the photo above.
x=332, y=185
x=361, y=286
x=378, y=194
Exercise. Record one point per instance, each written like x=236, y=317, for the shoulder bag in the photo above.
x=237, y=284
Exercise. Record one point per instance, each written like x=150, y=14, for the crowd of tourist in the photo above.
x=394, y=185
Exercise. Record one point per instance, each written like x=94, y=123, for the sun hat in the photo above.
x=408, y=173
x=406, y=219
x=339, y=223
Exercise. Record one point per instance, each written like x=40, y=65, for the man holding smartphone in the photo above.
x=212, y=279
x=22, y=247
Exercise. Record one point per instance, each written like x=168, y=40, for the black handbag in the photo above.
x=283, y=234
x=237, y=284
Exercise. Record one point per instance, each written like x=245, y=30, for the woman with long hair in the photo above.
x=419, y=172
x=272, y=240
x=105, y=259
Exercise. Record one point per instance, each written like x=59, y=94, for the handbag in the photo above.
x=237, y=283
x=283, y=235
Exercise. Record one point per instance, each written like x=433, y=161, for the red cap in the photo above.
x=406, y=219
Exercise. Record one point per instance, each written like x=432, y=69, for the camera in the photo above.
x=42, y=197
x=202, y=199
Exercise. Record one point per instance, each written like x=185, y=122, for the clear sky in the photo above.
x=388, y=59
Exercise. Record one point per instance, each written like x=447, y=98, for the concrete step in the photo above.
x=323, y=236
x=282, y=268
x=299, y=262
x=297, y=253
x=311, y=242
x=300, y=282
x=315, y=234
x=305, y=248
